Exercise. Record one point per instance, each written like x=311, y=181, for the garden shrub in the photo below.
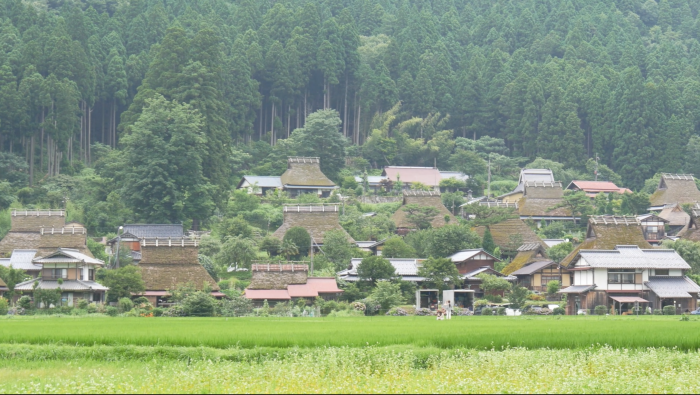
x=65, y=309
x=397, y=312
x=501, y=311
x=125, y=305
x=486, y=311
x=157, y=312
x=199, y=304
x=142, y=303
x=537, y=298
x=658, y=312
x=111, y=311
x=685, y=318
x=3, y=306
x=25, y=302
x=237, y=306
x=83, y=304
x=174, y=311
x=559, y=311
x=424, y=312
x=600, y=310
x=670, y=310
x=282, y=310
x=92, y=308
x=359, y=306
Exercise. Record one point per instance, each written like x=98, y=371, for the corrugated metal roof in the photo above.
x=553, y=242
x=457, y=175
x=473, y=274
x=672, y=287
x=633, y=257
x=22, y=259
x=264, y=181
x=154, y=230
x=372, y=180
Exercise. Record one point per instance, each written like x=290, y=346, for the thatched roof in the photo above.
x=692, y=233
x=510, y=234
x=316, y=219
x=675, y=188
x=424, y=199
x=675, y=215
x=540, y=200
x=160, y=277
x=69, y=237
x=305, y=172
x=608, y=232
x=19, y=241
x=32, y=220
x=527, y=254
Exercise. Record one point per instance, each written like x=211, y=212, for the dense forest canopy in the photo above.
x=143, y=103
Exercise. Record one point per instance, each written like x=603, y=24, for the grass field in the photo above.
x=464, y=332
x=350, y=355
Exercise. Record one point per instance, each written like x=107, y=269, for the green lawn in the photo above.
x=461, y=332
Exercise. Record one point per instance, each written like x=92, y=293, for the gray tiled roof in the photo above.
x=22, y=259
x=473, y=274
x=633, y=257
x=154, y=230
x=672, y=287
x=67, y=255
x=463, y=255
x=264, y=182
x=531, y=268
x=403, y=266
x=577, y=289
x=68, y=285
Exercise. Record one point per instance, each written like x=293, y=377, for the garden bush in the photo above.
x=111, y=311
x=65, y=309
x=658, y=312
x=600, y=310
x=236, y=306
x=397, y=312
x=174, y=311
x=142, y=303
x=537, y=298
x=25, y=302
x=486, y=311
x=83, y=304
x=501, y=311
x=125, y=305
x=199, y=304
x=670, y=310
x=424, y=312
x=359, y=306
x=92, y=308
x=157, y=312
x=281, y=310
x=3, y=306
x=559, y=311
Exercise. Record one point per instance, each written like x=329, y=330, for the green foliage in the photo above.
x=97, y=249
x=300, y=238
x=688, y=250
x=111, y=311
x=46, y=297
x=553, y=287
x=12, y=277
x=449, y=239
x=439, y=273
x=669, y=310
x=375, y=268
x=560, y=251
x=237, y=251
x=492, y=284
x=517, y=296
x=82, y=304
x=122, y=282
x=387, y=294
x=600, y=310
x=199, y=304
x=486, y=311
x=396, y=247
x=125, y=305
x=337, y=249
x=25, y=302
x=4, y=306
x=487, y=244
x=236, y=306
x=420, y=216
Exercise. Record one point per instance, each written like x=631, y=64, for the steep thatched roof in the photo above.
x=509, y=235
x=692, y=233
x=74, y=237
x=540, y=200
x=675, y=188
x=423, y=199
x=159, y=277
x=33, y=220
x=305, y=172
x=527, y=254
x=608, y=232
x=19, y=241
x=316, y=219
x=675, y=215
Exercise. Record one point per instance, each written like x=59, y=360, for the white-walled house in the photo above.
x=629, y=276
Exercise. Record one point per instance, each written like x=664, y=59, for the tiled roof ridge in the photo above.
x=678, y=177
x=38, y=213
x=614, y=220
x=303, y=159
x=543, y=184
x=421, y=193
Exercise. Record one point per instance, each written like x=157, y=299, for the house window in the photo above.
x=652, y=229
x=547, y=279
x=621, y=276
x=661, y=272
x=59, y=273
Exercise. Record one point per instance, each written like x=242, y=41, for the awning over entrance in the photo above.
x=628, y=299
x=577, y=289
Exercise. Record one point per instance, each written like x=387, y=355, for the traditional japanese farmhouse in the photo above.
x=535, y=270
x=627, y=277
x=25, y=231
x=70, y=236
x=422, y=199
x=290, y=282
x=316, y=219
x=509, y=235
x=469, y=260
x=675, y=189
x=72, y=272
x=304, y=175
x=653, y=227
x=593, y=188
x=527, y=175
x=677, y=219
x=543, y=202
x=692, y=233
x=428, y=176
x=374, y=247
x=260, y=185
x=167, y=263
x=606, y=232
x=132, y=234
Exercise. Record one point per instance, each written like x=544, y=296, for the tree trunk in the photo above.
x=103, y=123
x=31, y=162
x=289, y=119
x=260, y=126
x=89, y=136
x=345, y=109
x=359, y=121
x=272, y=125
x=305, y=94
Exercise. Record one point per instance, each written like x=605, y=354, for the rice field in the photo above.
x=461, y=332
x=350, y=355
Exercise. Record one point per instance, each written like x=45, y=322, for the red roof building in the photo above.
x=592, y=188
x=428, y=176
x=281, y=283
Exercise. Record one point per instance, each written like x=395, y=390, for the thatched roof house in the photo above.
x=423, y=199
x=510, y=234
x=25, y=232
x=678, y=219
x=527, y=175
x=675, y=189
x=282, y=283
x=316, y=219
x=607, y=232
x=528, y=253
x=692, y=233
x=167, y=263
x=304, y=175
x=73, y=237
x=541, y=200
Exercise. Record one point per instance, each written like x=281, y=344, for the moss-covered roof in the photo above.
x=305, y=172
x=425, y=199
x=544, y=190
x=675, y=188
x=675, y=215
x=19, y=241
x=525, y=258
x=606, y=233
x=317, y=223
x=535, y=207
x=509, y=235
x=161, y=277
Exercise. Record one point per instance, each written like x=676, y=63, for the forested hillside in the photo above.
x=155, y=107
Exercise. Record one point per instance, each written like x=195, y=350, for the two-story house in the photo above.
x=629, y=277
